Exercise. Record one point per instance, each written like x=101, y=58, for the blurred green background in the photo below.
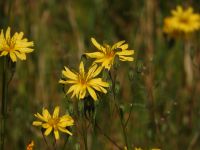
x=165, y=110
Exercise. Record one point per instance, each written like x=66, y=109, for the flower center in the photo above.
x=10, y=44
x=184, y=20
x=53, y=121
x=110, y=54
x=82, y=80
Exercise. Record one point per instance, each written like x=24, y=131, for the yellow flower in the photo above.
x=30, y=146
x=107, y=53
x=83, y=82
x=54, y=122
x=181, y=21
x=14, y=46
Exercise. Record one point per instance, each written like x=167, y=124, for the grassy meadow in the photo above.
x=152, y=102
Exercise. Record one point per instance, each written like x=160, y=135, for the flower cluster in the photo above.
x=182, y=21
x=83, y=83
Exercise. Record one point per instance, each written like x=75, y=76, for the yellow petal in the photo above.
x=95, y=55
x=4, y=53
x=72, y=88
x=81, y=69
x=97, y=71
x=46, y=113
x=37, y=123
x=82, y=93
x=46, y=125
x=64, y=130
x=48, y=131
x=56, y=112
x=124, y=58
x=100, y=89
x=26, y=50
x=40, y=117
x=125, y=52
x=56, y=134
x=94, y=71
x=98, y=82
x=21, y=56
x=20, y=35
x=124, y=46
x=92, y=93
x=97, y=45
x=8, y=33
x=65, y=121
x=117, y=45
x=13, y=57
x=69, y=74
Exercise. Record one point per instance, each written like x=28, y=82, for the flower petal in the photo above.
x=81, y=69
x=64, y=130
x=8, y=33
x=46, y=113
x=95, y=55
x=13, y=57
x=92, y=93
x=97, y=45
x=37, y=123
x=56, y=112
x=69, y=74
x=56, y=134
x=48, y=131
x=117, y=45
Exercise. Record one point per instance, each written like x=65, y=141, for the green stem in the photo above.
x=45, y=141
x=64, y=146
x=4, y=103
x=84, y=132
x=118, y=110
x=54, y=144
x=82, y=122
x=109, y=138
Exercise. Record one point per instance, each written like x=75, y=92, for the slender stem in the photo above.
x=188, y=63
x=45, y=141
x=84, y=131
x=4, y=103
x=109, y=138
x=129, y=115
x=64, y=146
x=118, y=110
x=54, y=144
x=79, y=120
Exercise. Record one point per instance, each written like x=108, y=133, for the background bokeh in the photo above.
x=165, y=110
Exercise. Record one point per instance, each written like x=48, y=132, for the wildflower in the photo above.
x=54, y=122
x=181, y=21
x=15, y=46
x=83, y=82
x=30, y=146
x=107, y=53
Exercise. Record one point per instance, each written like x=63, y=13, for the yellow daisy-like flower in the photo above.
x=84, y=82
x=107, y=53
x=181, y=21
x=30, y=146
x=15, y=46
x=54, y=123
